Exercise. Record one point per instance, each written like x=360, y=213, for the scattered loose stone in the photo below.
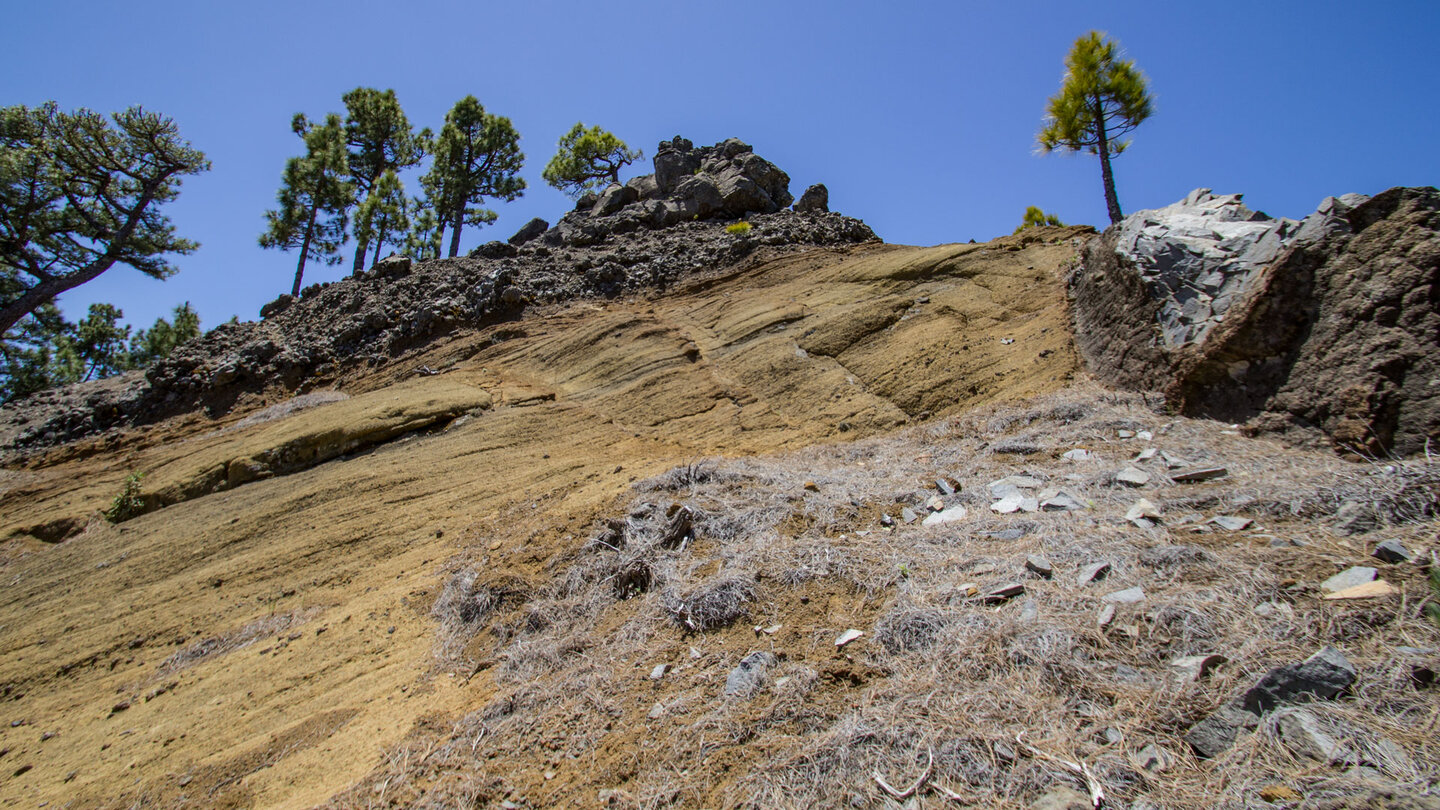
x=1129, y=596
x=945, y=487
x=1039, y=565
x=1132, y=477
x=1173, y=462
x=1215, y=734
x=1391, y=551
x=1143, y=514
x=1062, y=798
x=811, y=486
x=1078, y=454
x=657, y=711
x=1369, y=590
x=1354, y=517
x=1029, y=611
x=1093, y=572
x=1146, y=454
x=1105, y=617
x=1349, y=578
x=1152, y=759
x=1144, y=435
x=886, y=520
x=952, y=514
x=1191, y=668
x=1325, y=674
x=658, y=672
x=1230, y=523
x=935, y=504
x=908, y=515
x=750, y=673
x=1008, y=504
x=1302, y=733
x=1059, y=501
x=1202, y=474
x=1125, y=434
x=847, y=637
x=1004, y=593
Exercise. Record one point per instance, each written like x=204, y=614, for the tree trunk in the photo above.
x=1112, y=204
x=304, y=251
x=360, y=248
x=455, y=232
x=379, y=242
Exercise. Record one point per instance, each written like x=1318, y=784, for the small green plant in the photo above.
x=1034, y=218
x=128, y=503
x=738, y=229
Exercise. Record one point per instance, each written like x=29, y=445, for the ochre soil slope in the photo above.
x=263, y=637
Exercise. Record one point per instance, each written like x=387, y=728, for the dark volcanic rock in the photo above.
x=530, y=230
x=1327, y=327
x=815, y=200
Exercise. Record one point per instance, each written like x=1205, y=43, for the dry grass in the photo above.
x=941, y=672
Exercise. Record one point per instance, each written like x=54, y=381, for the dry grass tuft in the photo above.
x=713, y=605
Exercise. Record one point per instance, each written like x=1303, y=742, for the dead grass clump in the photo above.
x=213, y=646
x=463, y=607
x=908, y=629
x=713, y=605
x=686, y=476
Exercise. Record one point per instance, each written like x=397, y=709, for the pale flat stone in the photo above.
x=1129, y=596
x=1092, y=573
x=847, y=637
x=950, y=515
x=1143, y=509
x=1078, y=454
x=1008, y=504
x=1039, y=565
x=1230, y=523
x=1194, y=667
x=1349, y=578
x=1132, y=477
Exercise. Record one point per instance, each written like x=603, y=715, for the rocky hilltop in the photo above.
x=635, y=511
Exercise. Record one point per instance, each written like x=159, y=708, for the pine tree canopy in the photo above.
x=80, y=193
x=588, y=159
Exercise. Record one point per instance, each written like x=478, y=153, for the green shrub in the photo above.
x=128, y=503
x=1034, y=218
x=738, y=229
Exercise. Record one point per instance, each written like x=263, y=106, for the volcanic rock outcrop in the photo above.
x=1326, y=326
x=645, y=235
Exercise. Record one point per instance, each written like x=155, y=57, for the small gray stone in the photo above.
x=1029, y=611
x=750, y=673
x=1230, y=523
x=1132, y=477
x=1039, y=565
x=1129, y=596
x=529, y=231
x=657, y=711
x=950, y=515
x=1354, y=517
x=1004, y=593
x=1303, y=734
x=908, y=515
x=945, y=487
x=1062, y=798
x=1061, y=501
x=1143, y=510
x=1078, y=454
x=1094, y=572
x=1105, y=617
x=1325, y=674
x=1349, y=578
x=1191, y=668
x=1202, y=474
x=658, y=671
x=1215, y=734
x=1152, y=759
x=1008, y=504
x=1391, y=551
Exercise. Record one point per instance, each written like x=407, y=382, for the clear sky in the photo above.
x=919, y=117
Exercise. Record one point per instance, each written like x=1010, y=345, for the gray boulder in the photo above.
x=277, y=306
x=646, y=186
x=531, y=230
x=815, y=200
x=1324, y=675
x=613, y=199
x=750, y=673
x=674, y=160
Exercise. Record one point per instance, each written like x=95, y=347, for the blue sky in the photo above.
x=919, y=117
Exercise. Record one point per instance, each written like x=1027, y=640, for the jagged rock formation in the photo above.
x=1326, y=326
x=372, y=317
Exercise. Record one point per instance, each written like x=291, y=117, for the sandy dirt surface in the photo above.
x=263, y=636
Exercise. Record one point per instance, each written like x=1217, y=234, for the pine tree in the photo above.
x=380, y=140
x=477, y=155
x=313, y=198
x=80, y=193
x=383, y=216
x=96, y=348
x=157, y=342
x=1103, y=97
x=1035, y=217
x=426, y=234
x=588, y=159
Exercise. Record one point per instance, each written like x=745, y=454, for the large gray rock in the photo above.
x=613, y=199
x=815, y=200
x=531, y=230
x=674, y=160
x=1323, y=675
